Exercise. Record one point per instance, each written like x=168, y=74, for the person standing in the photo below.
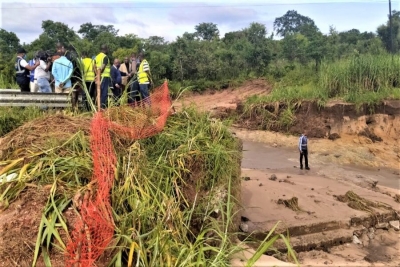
x=22, y=70
x=62, y=71
x=116, y=79
x=42, y=75
x=125, y=70
x=88, y=76
x=144, y=77
x=33, y=82
x=303, y=148
x=103, y=67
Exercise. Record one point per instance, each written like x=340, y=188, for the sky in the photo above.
x=171, y=18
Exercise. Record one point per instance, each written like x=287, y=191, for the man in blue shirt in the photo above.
x=116, y=79
x=62, y=71
x=303, y=150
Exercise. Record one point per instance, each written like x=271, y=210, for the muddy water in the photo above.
x=257, y=155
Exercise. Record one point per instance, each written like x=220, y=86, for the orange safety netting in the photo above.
x=95, y=229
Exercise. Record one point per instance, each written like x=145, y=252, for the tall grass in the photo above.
x=360, y=74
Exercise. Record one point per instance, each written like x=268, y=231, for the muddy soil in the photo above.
x=19, y=227
x=350, y=148
x=319, y=208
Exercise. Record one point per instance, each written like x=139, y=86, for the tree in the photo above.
x=90, y=31
x=9, y=42
x=57, y=32
x=291, y=23
x=256, y=33
x=207, y=31
x=384, y=32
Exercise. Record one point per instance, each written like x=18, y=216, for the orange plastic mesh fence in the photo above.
x=95, y=228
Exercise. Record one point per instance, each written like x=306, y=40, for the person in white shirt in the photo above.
x=42, y=74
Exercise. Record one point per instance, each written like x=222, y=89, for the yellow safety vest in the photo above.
x=99, y=62
x=142, y=75
x=88, y=70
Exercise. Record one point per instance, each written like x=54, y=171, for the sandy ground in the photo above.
x=213, y=100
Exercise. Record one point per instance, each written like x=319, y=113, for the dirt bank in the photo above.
x=336, y=118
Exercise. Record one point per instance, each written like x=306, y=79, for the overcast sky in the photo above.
x=171, y=18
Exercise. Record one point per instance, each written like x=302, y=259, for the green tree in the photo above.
x=9, y=43
x=384, y=32
x=207, y=31
x=90, y=31
x=54, y=32
x=291, y=23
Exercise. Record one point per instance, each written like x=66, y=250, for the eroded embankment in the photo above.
x=379, y=121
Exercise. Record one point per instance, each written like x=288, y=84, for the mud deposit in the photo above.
x=322, y=228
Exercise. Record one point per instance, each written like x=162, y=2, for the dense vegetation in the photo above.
x=301, y=56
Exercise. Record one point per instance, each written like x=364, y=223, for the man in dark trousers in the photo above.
x=22, y=70
x=116, y=79
x=303, y=150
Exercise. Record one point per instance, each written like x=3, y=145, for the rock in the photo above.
x=395, y=225
x=260, y=184
x=312, y=189
x=288, y=176
x=359, y=176
x=356, y=240
x=372, y=183
x=371, y=230
x=383, y=226
x=371, y=236
x=337, y=155
x=275, y=145
x=244, y=227
x=273, y=177
x=281, y=180
x=246, y=178
x=334, y=136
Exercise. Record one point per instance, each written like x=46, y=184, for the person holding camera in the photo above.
x=42, y=74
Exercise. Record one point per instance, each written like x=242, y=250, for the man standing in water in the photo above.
x=303, y=150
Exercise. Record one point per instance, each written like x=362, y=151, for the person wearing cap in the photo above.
x=23, y=69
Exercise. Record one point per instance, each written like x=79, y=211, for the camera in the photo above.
x=44, y=55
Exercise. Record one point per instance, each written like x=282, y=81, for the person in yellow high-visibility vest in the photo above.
x=144, y=77
x=103, y=67
x=88, y=77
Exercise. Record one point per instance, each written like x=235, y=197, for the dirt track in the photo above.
x=352, y=162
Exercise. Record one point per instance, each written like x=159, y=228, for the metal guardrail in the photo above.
x=15, y=98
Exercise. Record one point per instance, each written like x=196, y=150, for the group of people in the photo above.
x=69, y=73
